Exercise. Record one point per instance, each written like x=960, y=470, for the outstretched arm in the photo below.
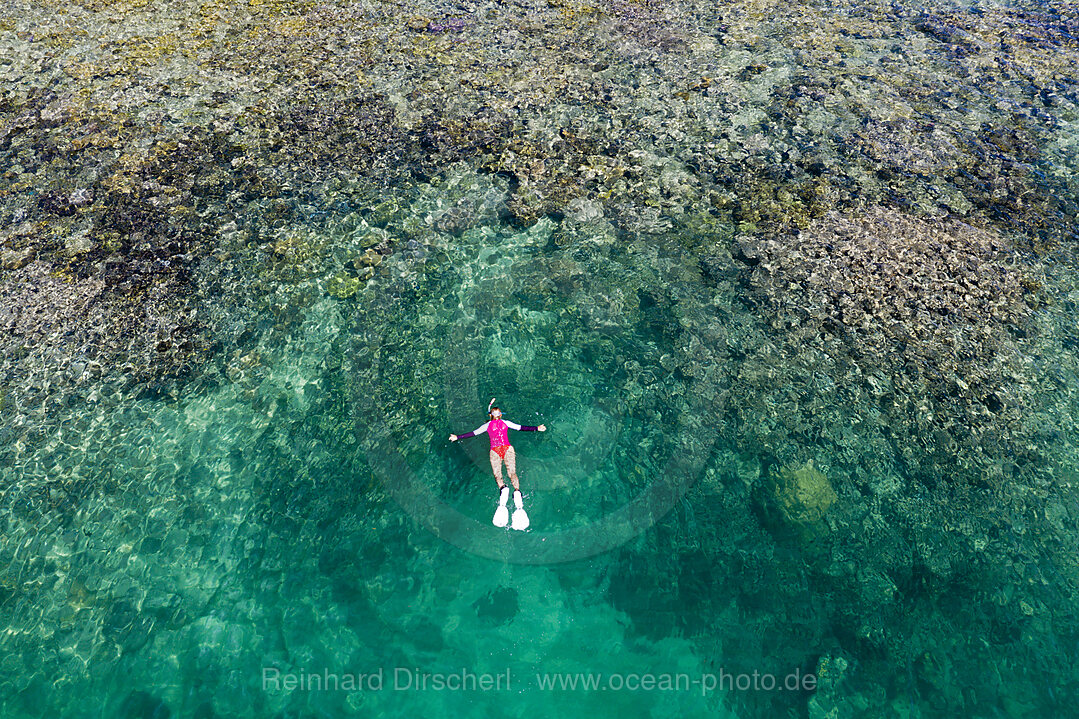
x=525, y=428
x=479, y=430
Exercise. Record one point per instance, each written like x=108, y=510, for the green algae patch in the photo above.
x=343, y=286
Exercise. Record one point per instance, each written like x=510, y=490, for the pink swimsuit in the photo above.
x=497, y=429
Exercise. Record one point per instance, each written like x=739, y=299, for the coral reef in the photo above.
x=934, y=319
x=236, y=239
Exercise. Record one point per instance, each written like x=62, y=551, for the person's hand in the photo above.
x=453, y=438
x=543, y=428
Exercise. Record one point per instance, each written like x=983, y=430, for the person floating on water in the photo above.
x=502, y=451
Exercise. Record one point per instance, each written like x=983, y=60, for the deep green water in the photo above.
x=751, y=471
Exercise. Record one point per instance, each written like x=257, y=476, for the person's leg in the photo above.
x=511, y=468
x=496, y=467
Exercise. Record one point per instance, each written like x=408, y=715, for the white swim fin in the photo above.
x=502, y=515
x=520, y=519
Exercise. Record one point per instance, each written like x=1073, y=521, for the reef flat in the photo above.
x=814, y=262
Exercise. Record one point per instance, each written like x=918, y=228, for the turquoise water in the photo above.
x=297, y=508
x=792, y=289
x=250, y=524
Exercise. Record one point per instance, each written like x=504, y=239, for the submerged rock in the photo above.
x=794, y=502
x=803, y=494
x=143, y=705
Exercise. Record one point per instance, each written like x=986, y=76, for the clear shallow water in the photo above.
x=298, y=509
x=239, y=527
x=736, y=478
x=583, y=339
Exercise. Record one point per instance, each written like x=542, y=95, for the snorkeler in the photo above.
x=502, y=450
